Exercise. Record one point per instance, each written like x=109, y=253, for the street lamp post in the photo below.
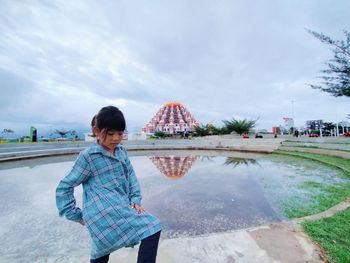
x=337, y=129
x=293, y=109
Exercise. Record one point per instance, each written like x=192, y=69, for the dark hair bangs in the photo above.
x=110, y=119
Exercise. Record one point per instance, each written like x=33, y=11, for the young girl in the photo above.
x=112, y=210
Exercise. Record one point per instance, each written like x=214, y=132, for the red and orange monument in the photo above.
x=171, y=118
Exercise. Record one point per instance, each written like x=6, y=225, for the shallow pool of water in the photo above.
x=193, y=193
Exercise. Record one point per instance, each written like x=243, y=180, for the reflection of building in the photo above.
x=172, y=118
x=173, y=167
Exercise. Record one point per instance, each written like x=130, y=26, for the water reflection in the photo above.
x=173, y=167
x=209, y=198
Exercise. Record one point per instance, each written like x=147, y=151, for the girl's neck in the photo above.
x=108, y=149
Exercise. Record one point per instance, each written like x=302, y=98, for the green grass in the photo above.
x=338, y=162
x=345, y=141
x=327, y=197
x=333, y=234
x=301, y=146
x=311, y=184
x=314, y=147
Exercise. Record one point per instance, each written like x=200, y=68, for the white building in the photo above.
x=288, y=123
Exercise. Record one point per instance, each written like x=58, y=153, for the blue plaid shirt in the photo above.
x=110, y=187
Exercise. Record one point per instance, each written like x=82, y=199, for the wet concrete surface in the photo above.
x=276, y=243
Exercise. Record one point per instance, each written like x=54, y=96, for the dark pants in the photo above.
x=147, y=251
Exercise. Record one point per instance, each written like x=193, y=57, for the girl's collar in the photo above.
x=97, y=148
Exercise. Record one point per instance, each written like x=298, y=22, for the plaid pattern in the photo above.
x=110, y=186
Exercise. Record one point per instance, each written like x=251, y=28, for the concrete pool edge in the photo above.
x=209, y=145
x=325, y=214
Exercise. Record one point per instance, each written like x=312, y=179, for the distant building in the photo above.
x=314, y=124
x=276, y=130
x=88, y=137
x=171, y=118
x=136, y=136
x=288, y=123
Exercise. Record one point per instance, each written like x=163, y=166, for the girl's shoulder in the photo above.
x=121, y=147
x=122, y=153
x=92, y=149
x=98, y=150
x=86, y=153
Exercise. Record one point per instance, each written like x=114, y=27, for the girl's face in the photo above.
x=109, y=140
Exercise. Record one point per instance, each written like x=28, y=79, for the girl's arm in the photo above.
x=65, y=200
x=134, y=187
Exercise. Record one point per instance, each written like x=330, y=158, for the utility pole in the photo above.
x=293, y=116
x=336, y=116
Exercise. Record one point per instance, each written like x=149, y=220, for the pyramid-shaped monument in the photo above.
x=172, y=118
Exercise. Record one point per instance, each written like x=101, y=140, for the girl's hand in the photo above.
x=81, y=221
x=139, y=209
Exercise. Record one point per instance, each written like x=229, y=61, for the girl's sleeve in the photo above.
x=134, y=187
x=65, y=200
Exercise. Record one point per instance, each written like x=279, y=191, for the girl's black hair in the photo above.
x=93, y=121
x=110, y=118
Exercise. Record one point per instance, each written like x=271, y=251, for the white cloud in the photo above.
x=60, y=62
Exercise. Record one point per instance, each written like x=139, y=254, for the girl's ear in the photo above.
x=96, y=130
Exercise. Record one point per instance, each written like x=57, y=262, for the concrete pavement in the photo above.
x=275, y=243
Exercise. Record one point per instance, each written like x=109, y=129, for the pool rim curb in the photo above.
x=61, y=152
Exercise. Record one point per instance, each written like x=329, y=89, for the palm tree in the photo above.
x=62, y=133
x=6, y=131
x=328, y=126
x=239, y=126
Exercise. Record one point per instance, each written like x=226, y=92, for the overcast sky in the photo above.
x=61, y=61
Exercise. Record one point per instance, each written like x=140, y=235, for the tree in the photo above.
x=239, y=126
x=62, y=133
x=329, y=126
x=159, y=134
x=209, y=129
x=201, y=130
x=235, y=161
x=336, y=77
x=212, y=130
x=74, y=134
x=6, y=131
